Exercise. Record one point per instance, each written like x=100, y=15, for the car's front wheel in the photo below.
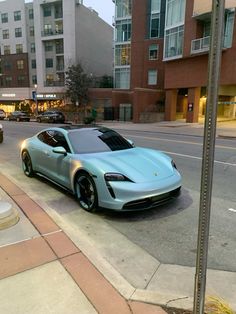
x=27, y=164
x=86, y=192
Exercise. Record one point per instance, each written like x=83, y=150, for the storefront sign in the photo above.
x=47, y=96
x=8, y=95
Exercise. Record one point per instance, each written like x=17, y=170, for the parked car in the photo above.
x=51, y=116
x=19, y=116
x=101, y=168
x=2, y=114
x=1, y=134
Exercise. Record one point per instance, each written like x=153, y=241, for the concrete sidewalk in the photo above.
x=43, y=271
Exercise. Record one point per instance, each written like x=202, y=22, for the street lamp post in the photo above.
x=36, y=98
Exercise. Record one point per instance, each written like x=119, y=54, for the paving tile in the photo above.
x=98, y=290
x=24, y=255
x=61, y=244
x=9, y=187
x=141, y=308
x=40, y=219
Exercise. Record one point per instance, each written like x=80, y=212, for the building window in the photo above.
x=4, y=17
x=229, y=28
x=7, y=65
x=122, y=55
x=21, y=80
x=175, y=12
x=47, y=29
x=154, y=25
x=174, y=42
x=32, y=47
x=122, y=78
x=31, y=31
x=20, y=64
x=17, y=15
x=5, y=34
x=19, y=48
x=7, y=49
x=18, y=32
x=48, y=46
x=47, y=11
x=49, y=79
x=59, y=46
x=31, y=14
x=123, y=8
x=8, y=81
x=123, y=31
x=49, y=63
x=33, y=64
x=155, y=5
x=34, y=79
x=153, y=52
x=152, y=77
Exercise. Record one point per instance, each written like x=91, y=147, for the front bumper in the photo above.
x=128, y=196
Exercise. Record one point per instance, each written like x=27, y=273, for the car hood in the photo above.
x=138, y=164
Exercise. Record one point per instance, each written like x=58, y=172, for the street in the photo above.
x=167, y=233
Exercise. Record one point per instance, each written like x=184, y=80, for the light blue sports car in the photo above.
x=102, y=168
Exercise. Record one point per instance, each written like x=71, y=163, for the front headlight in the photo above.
x=173, y=164
x=110, y=176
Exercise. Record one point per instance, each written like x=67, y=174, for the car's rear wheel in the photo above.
x=39, y=120
x=86, y=192
x=27, y=164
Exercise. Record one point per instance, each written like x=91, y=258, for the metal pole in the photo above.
x=214, y=63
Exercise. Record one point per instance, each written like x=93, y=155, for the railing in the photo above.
x=54, y=83
x=200, y=45
x=60, y=68
x=52, y=32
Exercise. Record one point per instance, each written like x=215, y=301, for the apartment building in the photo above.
x=161, y=59
x=39, y=40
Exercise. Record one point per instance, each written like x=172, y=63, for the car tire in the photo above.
x=1, y=138
x=39, y=120
x=17, y=119
x=27, y=164
x=86, y=192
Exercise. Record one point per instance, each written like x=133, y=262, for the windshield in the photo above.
x=97, y=140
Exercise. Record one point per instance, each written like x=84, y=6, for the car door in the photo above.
x=61, y=164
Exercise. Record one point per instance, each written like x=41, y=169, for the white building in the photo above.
x=40, y=39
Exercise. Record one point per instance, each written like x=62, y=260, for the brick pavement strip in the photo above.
x=54, y=244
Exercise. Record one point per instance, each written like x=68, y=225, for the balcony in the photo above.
x=52, y=32
x=200, y=45
x=203, y=45
x=60, y=68
x=50, y=83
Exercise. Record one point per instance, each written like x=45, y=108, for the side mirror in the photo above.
x=131, y=142
x=60, y=150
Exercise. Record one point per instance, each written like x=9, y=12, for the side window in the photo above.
x=47, y=138
x=61, y=140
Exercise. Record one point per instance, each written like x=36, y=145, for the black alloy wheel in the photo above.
x=27, y=164
x=86, y=192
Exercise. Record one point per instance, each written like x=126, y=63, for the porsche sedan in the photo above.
x=101, y=168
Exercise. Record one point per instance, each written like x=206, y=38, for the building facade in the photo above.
x=161, y=59
x=40, y=40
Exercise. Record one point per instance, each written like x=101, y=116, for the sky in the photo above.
x=105, y=8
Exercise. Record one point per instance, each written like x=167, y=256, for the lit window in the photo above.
x=152, y=77
x=20, y=64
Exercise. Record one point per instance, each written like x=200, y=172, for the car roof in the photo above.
x=73, y=128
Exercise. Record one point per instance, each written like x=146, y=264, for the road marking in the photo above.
x=177, y=141
x=232, y=210
x=199, y=158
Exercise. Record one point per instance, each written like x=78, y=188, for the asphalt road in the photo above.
x=168, y=233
